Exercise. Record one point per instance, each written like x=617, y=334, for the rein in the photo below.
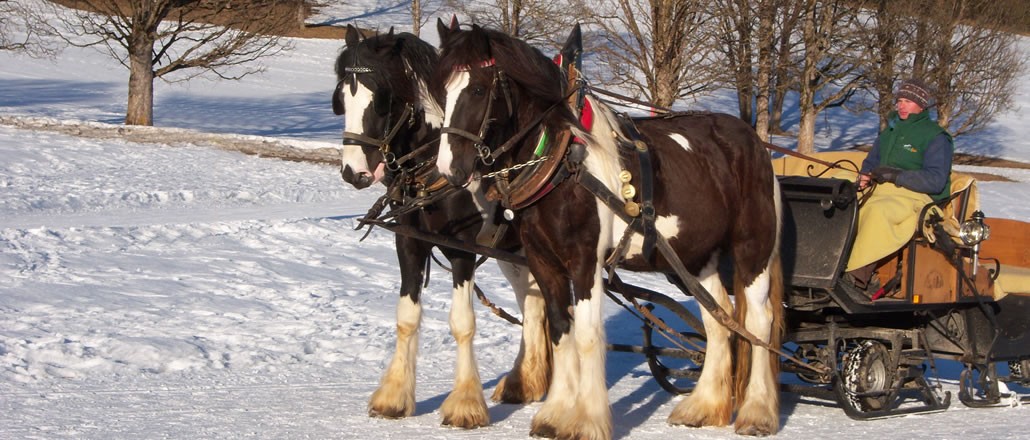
x=384, y=144
x=768, y=145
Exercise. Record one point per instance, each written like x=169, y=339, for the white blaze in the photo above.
x=455, y=85
x=355, y=105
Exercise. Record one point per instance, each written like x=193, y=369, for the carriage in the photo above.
x=951, y=293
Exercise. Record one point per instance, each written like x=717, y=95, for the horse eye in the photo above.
x=478, y=91
x=381, y=102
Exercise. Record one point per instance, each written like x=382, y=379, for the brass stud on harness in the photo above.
x=625, y=176
x=632, y=208
x=628, y=191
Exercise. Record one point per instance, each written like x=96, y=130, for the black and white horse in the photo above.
x=393, y=119
x=714, y=193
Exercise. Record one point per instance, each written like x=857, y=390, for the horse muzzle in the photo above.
x=359, y=180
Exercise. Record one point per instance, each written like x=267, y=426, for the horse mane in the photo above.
x=376, y=51
x=534, y=72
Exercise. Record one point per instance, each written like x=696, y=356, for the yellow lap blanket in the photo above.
x=886, y=221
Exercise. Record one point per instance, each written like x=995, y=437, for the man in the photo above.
x=911, y=160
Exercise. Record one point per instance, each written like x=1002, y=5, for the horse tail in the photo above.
x=742, y=347
x=777, y=285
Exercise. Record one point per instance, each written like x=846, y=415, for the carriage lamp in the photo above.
x=974, y=230
x=972, y=233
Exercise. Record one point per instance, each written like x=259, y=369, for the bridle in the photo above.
x=482, y=149
x=407, y=117
x=500, y=81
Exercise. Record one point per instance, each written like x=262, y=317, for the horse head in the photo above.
x=493, y=82
x=382, y=91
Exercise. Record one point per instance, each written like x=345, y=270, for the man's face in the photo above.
x=907, y=107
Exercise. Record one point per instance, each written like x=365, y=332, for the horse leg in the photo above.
x=710, y=403
x=530, y=376
x=759, y=402
x=592, y=417
x=395, y=396
x=759, y=275
x=561, y=397
x=465, y=407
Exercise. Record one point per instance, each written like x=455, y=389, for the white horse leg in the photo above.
x=593, y=416
x=711, y=404
x=561, y=398
x=531, y=374
x=759, y=413
x=465, y=407
x=395, y=396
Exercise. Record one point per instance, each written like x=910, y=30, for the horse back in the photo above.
x=713, y=180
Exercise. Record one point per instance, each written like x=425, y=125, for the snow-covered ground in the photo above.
x=179, y=291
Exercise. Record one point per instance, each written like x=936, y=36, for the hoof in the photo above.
x=543, y=430
x=389, y=413
x=513, y=390
x=757, y=427
x=687, y=413
x=467, y=412
x=472, y=422
x=754, y=431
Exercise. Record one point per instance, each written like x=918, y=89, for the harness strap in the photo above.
x=384, y=143
x=646, y=174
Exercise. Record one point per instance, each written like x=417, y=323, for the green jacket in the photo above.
x=919, y=146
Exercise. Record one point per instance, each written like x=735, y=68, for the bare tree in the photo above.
x=747, y=26
x=156, y=38
x=890, y=39
x=24, y=29
x=660, y=49
x=541, y=22
x=973, y=67
x=783, y=79
x=832, y=68
x=737, y=20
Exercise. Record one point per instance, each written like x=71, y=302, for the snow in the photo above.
x=175, y=290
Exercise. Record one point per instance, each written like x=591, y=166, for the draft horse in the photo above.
x=712, y=193
x=392, y=122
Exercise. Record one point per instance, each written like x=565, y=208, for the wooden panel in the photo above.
x=1009, y=242
x=934, y=279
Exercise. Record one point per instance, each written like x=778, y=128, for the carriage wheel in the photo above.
x=673, y=380
x=866, y=377
x=1019, y=371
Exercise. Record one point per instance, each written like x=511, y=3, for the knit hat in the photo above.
x=916, y=91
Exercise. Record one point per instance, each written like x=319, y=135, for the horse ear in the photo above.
x=390, y=33
x=573, y=44
x=442, y=30
x=454, y=22
x=352, y=35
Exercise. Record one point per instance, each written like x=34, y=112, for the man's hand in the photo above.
x=863, y=181
x=886, y=174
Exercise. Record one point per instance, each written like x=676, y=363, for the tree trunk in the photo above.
x=416, y=17
x=782, y=81
x=806, y=98
x=766, y=16
x=806, y=130
x=140, y=108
